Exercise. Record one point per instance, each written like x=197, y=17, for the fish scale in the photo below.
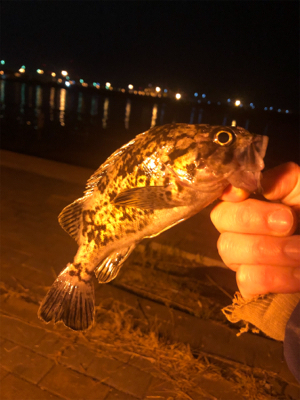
x=157, y=180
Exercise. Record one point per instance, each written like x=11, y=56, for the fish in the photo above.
x=157, y=180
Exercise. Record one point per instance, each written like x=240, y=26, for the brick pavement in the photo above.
x=41, y=361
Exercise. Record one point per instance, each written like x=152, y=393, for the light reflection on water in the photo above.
x=109, y=121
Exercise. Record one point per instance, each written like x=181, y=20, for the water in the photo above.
x=82, y=126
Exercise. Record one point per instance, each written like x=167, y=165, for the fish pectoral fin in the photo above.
x=148, y=197
x=111, y=265
x=70, y=217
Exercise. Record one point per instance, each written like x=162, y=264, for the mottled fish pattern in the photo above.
x=155, y=181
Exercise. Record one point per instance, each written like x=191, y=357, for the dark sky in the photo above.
x=237, y=49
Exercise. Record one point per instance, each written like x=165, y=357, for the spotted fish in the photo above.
x=155, y=181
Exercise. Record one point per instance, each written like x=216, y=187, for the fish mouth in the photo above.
x=251, y=163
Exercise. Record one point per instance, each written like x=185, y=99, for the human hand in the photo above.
x=256, y=236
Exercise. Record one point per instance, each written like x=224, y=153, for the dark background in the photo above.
x=226, y=49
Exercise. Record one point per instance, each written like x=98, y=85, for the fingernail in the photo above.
x=281, y=220
x=292, y=248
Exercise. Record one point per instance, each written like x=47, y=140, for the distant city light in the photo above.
x=1, y=72
x=68, y=78
x=271, y=108
x=94, y=84
x=219, y=103
x=286, y=111
x=40, y=71
x=233, y=123
x=166, y=91
x=67, y=83
x=59, y=80
x=81, y=81
x=279, y=110
x=157, y=89
x=22, y=70
x=64, y=73
x=107, y=85
x=208, y=102
x=237, y=103
x=265, y=108
x=85, y=84
x=178, y=96
x=130, y=87
x=53, y=74
x=203, y=96
x=196, y=94
x=2, y=62
x=228, y=100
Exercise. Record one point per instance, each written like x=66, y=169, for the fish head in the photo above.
x=218, y=155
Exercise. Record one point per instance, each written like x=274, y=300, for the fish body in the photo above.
x=155, y=181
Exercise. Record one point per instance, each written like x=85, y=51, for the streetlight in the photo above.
x=130, y=87
x=53, y=74
x=157, y=89
x=178, y=96
x=107, y=85
x=64, y=73
x=237, y=103
x=40, y=71
x=2, y=62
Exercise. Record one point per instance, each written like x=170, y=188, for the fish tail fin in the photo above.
x=70, y=300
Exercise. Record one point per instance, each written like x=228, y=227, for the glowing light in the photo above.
x=85, y=84
x=67, y=78
x=130, y=87
x=107, y=85
x=265, y=108
x=157, y=89
x=59, y=80
x=22, y=70
x=237, y=103
x=208, y=102
x=279, y=110
x=64, y=73
x=1, y=72
x=17, y=74
x=219, y=103
x=153, y=118
x=178, y=96
x=286, y=111
x=53, y=74
x=81, y=81
x=2, y=62
x=228, y=100
x=40, y=71
x=203, y=96
x=166, y=91
x=196, y=94
x=233, y=123
x=67, y=83
x=270, y=108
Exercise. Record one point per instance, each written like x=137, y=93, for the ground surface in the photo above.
x=159, y=331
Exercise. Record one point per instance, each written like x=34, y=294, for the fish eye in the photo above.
x=223, y=138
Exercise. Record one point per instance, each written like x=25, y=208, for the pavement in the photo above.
x=155, y=336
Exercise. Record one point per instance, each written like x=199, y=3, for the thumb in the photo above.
x=283, y=183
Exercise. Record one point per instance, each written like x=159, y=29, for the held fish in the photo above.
x=155, y=181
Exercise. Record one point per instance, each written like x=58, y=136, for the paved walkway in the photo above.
x=139, y=348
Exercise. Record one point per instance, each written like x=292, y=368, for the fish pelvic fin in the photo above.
x=111, y=265
x=70, y=300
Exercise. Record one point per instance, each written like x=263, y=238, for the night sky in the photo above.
x=226, y=49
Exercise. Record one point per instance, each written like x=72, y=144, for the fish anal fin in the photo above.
x=70, y=217
x=70, y=300
x=111, y=265
x=148, y=197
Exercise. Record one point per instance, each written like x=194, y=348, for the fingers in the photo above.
x=234, y=194
x=236, y=250
x=255, y=217
x=283, y=183
x=262, y=279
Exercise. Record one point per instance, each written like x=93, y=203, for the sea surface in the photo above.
x=83, y=126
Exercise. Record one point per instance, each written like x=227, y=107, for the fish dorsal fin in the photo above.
x=110, y=267
x=148, y=197
x=70, y=218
